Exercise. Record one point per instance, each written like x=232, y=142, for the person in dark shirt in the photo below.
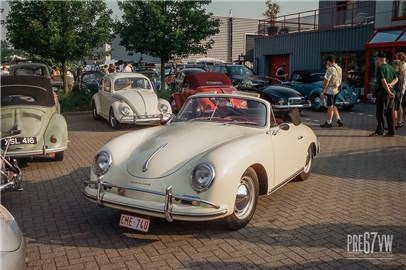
x=385, y=97
x=281, y=73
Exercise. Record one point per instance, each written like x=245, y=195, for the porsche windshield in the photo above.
x=226, y=110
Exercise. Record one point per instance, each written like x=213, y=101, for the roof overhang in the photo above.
x=389, y=37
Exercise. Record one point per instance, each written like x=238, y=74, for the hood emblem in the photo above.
x=145, y=167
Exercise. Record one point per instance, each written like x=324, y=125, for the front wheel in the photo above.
x=96, y=116
x=317, y=103
x=308, y=164
x=246, y=200
x=113, y=121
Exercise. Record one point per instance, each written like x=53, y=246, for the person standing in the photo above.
x=127, y=67
x=281, y=73
x=330, y=90
x=385, y=96
x=400, y=89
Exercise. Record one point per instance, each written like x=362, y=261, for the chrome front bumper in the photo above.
x=145, y=119
x=167, y=210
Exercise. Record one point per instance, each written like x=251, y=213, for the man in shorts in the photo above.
x=330, y=90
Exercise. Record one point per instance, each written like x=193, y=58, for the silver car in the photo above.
x=13, y=254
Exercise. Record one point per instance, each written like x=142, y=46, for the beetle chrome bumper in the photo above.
x=145, y=119
x=41, y=152
x=167, y=209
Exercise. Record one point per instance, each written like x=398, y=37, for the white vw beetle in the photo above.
x=129, y=98
x=212, y=161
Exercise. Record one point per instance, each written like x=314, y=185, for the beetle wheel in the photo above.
x=308, y=165
x=59, y=156
x=113, y=121
x=316, y=103
x=245, y=201
x=96, y=116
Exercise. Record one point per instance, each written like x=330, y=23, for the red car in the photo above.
x=201, y=82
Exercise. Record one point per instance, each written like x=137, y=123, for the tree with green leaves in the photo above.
x=166, y=29
x=62, y=31
x=271, y=13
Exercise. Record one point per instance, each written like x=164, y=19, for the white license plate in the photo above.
x=20, y=140
x=136, y=223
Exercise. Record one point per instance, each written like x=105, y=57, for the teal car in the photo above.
x=309, y=84
x=28, y=104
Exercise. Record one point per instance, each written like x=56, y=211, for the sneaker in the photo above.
x=326, y=125
x=399, y=125
x=339, y=123
x=375, y=134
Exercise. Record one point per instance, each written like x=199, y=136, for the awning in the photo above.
x=387, y=38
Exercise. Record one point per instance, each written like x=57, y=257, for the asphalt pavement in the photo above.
x=349, y=214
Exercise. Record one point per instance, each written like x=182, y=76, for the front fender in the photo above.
x=175, y=97
x=164, y=102
x=231, y=160
x=315, y=92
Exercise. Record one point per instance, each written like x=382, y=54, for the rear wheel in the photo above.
x=113, y=121
x=245, y=201
x=59, y=156
x=308, y=164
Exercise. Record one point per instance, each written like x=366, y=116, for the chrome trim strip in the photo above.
x=145, y=167
x=290, y=178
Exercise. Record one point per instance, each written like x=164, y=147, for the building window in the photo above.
x=400, y=10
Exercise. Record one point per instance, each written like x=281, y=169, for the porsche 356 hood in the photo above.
x=141, y=101
x=171, y=147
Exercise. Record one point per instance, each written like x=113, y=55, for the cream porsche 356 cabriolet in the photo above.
x=212, y=161
x=129, y=98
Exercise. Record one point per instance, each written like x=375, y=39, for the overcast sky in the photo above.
x=245, y=9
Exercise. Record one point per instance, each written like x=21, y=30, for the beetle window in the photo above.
x=16, y=99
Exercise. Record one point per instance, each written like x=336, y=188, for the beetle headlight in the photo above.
x=163, y=108
x=101, y=163
x=202, y=177
x=125, y=110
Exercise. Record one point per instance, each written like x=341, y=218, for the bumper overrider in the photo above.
x=187, y=207
x=145, y=119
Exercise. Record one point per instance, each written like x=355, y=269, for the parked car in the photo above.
x=29, y=104
x=309, y=84
x=206, y=164
x=154, y=76
x=129, y=98
x=234, y=72
x=196, y=82
x=13, y=254
x=180, y=76
x=88, y=81
x=280, y=97
x=30, y=68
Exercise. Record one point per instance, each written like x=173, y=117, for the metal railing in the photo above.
x=347, y=15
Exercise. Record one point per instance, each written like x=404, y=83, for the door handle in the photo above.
x=300, y=137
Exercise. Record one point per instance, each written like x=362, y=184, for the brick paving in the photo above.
x=358, y=186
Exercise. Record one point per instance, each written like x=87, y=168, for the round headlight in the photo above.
x=101, y=163
x=125, y=110
x=164, y=108
x=202, y=177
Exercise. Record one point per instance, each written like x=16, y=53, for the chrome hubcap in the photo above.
x=244, y=198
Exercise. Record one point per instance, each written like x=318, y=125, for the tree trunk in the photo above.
x=162, y=75
x=65, y=77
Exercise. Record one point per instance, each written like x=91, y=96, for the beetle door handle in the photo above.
x=300, y=137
